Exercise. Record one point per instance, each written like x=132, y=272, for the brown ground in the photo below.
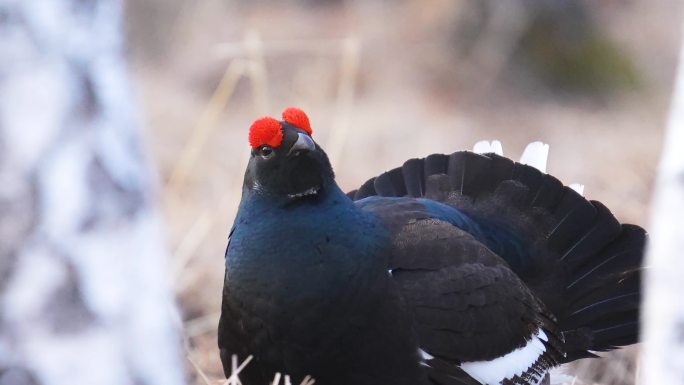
x=382, y=83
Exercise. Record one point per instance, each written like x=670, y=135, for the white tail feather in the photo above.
x=482, y=147
x=485, y=146
x=536, y=155
x=497, y=148
x=578, y=187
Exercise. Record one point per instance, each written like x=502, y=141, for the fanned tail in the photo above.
x=576, y=257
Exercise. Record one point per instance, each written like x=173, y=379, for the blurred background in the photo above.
x=384, y=81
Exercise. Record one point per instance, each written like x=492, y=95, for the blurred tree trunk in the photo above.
x=663, y=313
x=83, y=291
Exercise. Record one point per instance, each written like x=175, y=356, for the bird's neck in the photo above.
x=326, y=239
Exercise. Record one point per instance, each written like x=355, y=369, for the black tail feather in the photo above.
x=616, y=335
x=391, y=183
x=414, y=178
x=436, y=164
x=549, y=194
x=587, y=266
x=367, y=189
x=574, y=216
x=604, y=229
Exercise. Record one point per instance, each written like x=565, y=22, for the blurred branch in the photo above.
x=663, y=354
x=84, y=295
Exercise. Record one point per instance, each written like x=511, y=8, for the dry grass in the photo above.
x=377, y=94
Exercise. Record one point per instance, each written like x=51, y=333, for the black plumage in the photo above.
x=447, y=270
x=582, y=264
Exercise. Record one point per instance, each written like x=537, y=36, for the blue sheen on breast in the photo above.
x=331, y=234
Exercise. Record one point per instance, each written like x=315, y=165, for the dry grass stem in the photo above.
x=201, y=325
x=198, y=369
x=282, y=47
x=205, y=125
x=187, y=248
x=257, y=71
x=235, y=370
x=351, y=56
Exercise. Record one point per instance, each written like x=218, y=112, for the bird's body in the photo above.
x=460, y=269
x=329, y=292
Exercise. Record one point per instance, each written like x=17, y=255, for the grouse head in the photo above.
x=286, y=163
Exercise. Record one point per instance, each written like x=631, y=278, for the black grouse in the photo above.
x=452, y=269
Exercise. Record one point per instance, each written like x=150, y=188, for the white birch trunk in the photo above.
x=663, y=314
x=83, y=291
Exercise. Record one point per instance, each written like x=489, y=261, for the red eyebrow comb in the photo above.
x=297, y=118
x=265, y=131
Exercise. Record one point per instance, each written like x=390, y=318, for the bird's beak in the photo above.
x=303, y=143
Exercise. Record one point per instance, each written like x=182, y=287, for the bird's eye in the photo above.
x=265, y=151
